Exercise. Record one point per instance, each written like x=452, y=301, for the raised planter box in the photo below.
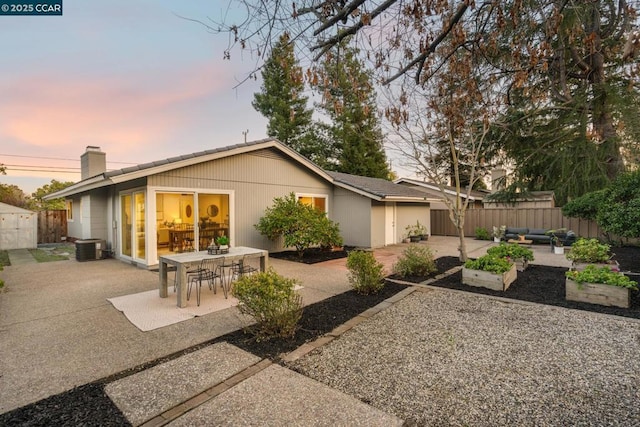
x=597, y=293
x=485, y=279
x=521, y=264
x=579, y=266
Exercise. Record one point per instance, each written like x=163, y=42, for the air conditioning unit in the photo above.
x=90, y=249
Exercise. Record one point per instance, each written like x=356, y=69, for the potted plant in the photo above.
x=515, y=252
x=489, y=271
x=557, y=245
x=498, y=233
x=599, y=285
x=223, y=242
x=590, y=251
x=415, y=232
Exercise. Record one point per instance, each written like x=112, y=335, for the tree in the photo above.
x=301, y=225
x=349, y=100
x=13, y=195
x=37, y=198
x=570, y=66
x=281, y=98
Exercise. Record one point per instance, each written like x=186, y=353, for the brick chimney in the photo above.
x=92, y=162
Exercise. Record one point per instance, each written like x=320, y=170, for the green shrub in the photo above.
x=301, y=226
x=490, y=263
x=604, y=275
x=482, y=234
x=589, y=250
x=511, y=250
x=365, y=273
x=270, y=299
x=416, y=260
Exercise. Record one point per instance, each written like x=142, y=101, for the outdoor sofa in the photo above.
x=539, y=235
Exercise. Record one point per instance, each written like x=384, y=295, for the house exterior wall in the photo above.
x=353, y=212
x=74, y=226
x=253, y=180
x=378, y=224
x=408, y=213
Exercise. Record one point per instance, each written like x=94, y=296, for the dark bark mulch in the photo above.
x=312, y=255
x=546, y=285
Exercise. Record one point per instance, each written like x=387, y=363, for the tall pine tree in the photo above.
x=349, y=100
x=281, y=99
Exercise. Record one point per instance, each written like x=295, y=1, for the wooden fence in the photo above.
x=548, y=218
x=52, y=226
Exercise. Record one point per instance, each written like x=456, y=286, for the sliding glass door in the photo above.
x=133, y=225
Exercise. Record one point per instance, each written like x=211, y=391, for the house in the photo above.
x=183, y=202
x=435, y=194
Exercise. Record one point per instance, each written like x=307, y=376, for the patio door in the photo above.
x=133, y=225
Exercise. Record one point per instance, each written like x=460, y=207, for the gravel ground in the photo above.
x=442, y=357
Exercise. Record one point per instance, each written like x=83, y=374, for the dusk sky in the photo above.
x=128, y=76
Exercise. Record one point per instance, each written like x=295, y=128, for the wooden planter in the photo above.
x=485, y=279
x=579, y=266
x=597, y=293
x=521, y=264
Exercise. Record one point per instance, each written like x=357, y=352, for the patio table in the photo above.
x=183, y=261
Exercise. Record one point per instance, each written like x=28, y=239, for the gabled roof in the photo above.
x=377, y=188
x=152, y=168
x=473, y=195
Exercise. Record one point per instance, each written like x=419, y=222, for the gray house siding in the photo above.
x=253, y=180
x=378, y=226
x=408, y=213
x=353, y=212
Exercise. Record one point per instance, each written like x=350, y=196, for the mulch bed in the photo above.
x=312, y=255
x=546, y=285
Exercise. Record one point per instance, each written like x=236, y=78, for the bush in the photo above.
x=301, y=226
x=482, y=234
x=490, y=263
x=604, y=275
x=511, y=250
x=270, y=299
x=589, y=250
x=365, y=273
x=620, y=212
x=416, y=260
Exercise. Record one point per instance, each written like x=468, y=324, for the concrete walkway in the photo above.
x=21, y=257
x=57, y=331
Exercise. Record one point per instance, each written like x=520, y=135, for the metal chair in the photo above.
x=208, y=271
x=241, y=268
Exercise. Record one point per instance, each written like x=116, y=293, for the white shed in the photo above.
x=18, y=228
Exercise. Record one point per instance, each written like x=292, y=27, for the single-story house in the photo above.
x=436, y=196
x=144, y=211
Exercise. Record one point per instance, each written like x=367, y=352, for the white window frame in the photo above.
x=318, y=196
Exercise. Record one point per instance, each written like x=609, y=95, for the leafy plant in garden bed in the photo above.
x=416, y=260
x=481, y=233
x=270, y=299
x=589, y=251
x=365, y=272
x=511, y=250
x=489, y=263
x=601, y=275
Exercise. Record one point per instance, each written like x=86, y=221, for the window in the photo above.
x=69, y=208
x=318, y=202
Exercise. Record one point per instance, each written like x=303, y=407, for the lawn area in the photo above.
x=4, y=259
x=58, y=252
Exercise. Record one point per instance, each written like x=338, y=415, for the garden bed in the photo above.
x=312, y=255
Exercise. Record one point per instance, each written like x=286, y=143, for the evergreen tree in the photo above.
x=349, y=100
x=281, y=98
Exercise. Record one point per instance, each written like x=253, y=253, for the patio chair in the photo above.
x=208, y=271
x=242, y=268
